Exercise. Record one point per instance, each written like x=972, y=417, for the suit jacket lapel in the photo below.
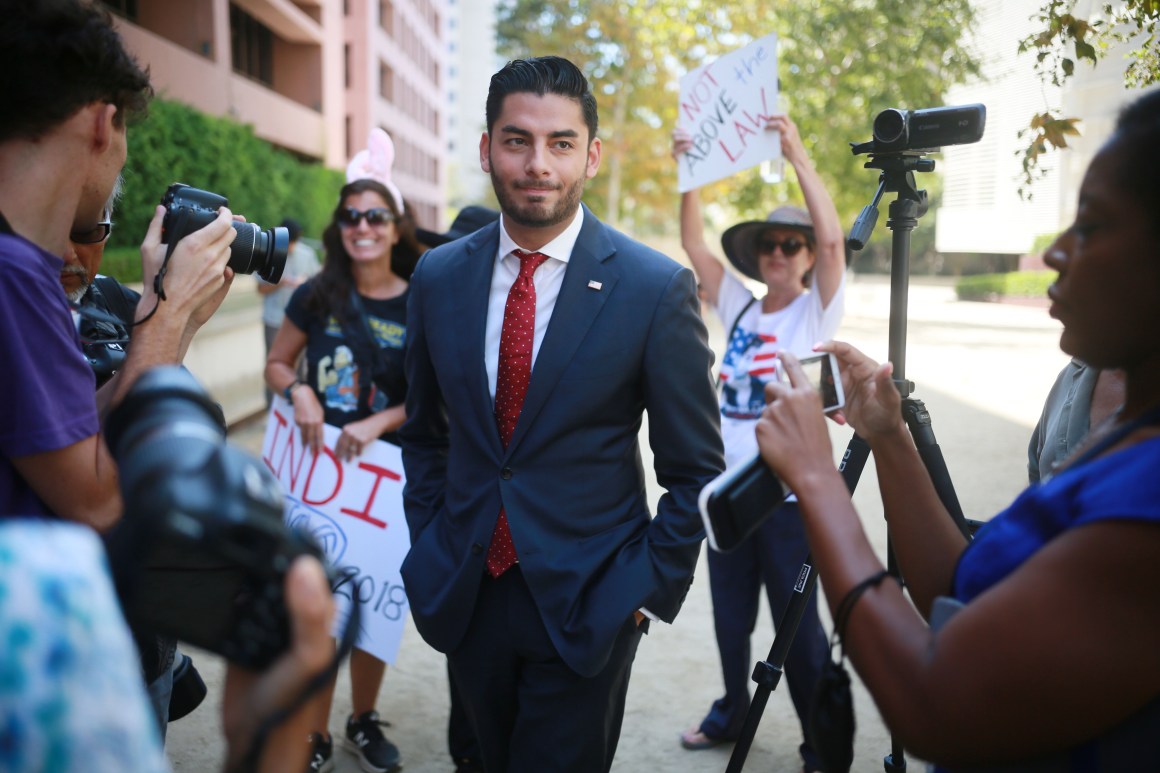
x=471, y=304
x=576, y=309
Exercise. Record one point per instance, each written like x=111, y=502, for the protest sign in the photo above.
x=355, y=512
x=723, y=106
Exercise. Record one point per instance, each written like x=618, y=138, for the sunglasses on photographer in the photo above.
x=94, y=235
x=349, y=216
x=789, y=247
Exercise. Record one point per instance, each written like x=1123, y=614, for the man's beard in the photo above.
x=538, y=215
x=75, y=296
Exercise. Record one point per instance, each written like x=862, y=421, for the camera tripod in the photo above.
x=897, y=176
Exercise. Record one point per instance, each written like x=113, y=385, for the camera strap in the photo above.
x=317, y=682
x=733, y=330
x=372, y=356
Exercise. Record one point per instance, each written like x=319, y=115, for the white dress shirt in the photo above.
x=548, y=279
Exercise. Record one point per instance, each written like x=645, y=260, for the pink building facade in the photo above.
x=311, y=76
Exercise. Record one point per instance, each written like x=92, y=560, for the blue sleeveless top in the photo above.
x=1124, y=485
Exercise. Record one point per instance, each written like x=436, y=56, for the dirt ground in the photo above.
x=982, y=370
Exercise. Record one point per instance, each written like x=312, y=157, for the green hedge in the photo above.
x=176, y=143
x=124, y=263
x=1017, y=284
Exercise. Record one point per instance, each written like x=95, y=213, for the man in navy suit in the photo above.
x=534, y=558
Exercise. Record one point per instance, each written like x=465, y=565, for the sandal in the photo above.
x=694, y=740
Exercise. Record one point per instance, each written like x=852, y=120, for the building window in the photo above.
x=252, y=45
x=346, y=66
x=387, y=17
x=386, y=82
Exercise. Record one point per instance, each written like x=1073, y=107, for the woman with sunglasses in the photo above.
x=353, y=382
x=800, y=258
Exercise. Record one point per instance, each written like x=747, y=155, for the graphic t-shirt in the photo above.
x=751, y=353
x=333, y=367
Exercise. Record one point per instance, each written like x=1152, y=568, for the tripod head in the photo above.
x=897, y=176
x=901, y=138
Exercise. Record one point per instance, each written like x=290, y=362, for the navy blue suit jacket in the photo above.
x=571, y=479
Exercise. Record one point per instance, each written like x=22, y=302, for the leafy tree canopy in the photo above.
x=1063, y=40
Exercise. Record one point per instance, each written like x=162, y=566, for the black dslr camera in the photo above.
x=202, y=551
x=253, y=251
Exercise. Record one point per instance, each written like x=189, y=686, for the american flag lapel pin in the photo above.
x=594, y=285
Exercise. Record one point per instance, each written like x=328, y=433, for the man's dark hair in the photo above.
x=541, y=75
x=58, y=56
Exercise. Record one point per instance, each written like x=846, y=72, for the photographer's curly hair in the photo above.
x=331, y=287
x=58, y=56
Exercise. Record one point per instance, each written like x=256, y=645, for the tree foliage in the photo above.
x=176, y=143
x=840, y=62
x=1065, y=40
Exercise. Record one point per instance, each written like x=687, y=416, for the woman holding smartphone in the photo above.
x=799, y=256
x=1032, y=646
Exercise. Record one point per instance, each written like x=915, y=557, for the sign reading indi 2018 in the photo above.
x=355, y=512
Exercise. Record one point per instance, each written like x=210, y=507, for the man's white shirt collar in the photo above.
x=559, y=248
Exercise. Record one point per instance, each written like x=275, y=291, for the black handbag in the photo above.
x=830, y=725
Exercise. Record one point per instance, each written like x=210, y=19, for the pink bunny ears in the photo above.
x=374, y=163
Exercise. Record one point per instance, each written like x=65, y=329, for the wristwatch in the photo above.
x=290, y=389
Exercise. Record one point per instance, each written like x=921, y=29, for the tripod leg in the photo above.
x=767, y=673
x=917, y=419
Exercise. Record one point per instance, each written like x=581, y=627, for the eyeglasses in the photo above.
x=789, y=247
x=349, y=216
x=94, y=235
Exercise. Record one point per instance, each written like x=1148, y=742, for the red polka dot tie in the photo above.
x=511, y=385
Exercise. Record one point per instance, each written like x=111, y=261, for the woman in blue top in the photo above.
x=1051, y=661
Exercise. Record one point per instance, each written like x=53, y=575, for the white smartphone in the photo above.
x=822, y=371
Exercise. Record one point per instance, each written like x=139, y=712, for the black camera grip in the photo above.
x=738, y=501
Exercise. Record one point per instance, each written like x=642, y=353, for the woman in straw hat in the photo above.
x=800, y=258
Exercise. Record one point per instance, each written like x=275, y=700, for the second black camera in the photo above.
x=254, y=251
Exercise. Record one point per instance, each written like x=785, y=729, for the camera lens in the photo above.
x=890, y=127
x=255, y=251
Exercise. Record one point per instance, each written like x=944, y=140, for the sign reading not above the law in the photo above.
x=724, y=106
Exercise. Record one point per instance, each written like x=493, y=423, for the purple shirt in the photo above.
x=46, y=385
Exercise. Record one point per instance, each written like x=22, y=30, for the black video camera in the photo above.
x=202, y=551
x=922, y=131
x=253, y=251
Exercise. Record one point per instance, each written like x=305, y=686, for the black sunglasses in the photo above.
x=375, y=216
x=789, y=247
x=94, y=235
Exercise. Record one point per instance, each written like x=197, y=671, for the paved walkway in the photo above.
x=982, y=370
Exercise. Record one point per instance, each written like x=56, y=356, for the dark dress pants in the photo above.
x=531, y=713
x=460, y=737
x=772, y=556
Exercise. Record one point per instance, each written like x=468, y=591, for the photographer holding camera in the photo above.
x=1033, y=646
x=799, y=257
x=68, y=90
